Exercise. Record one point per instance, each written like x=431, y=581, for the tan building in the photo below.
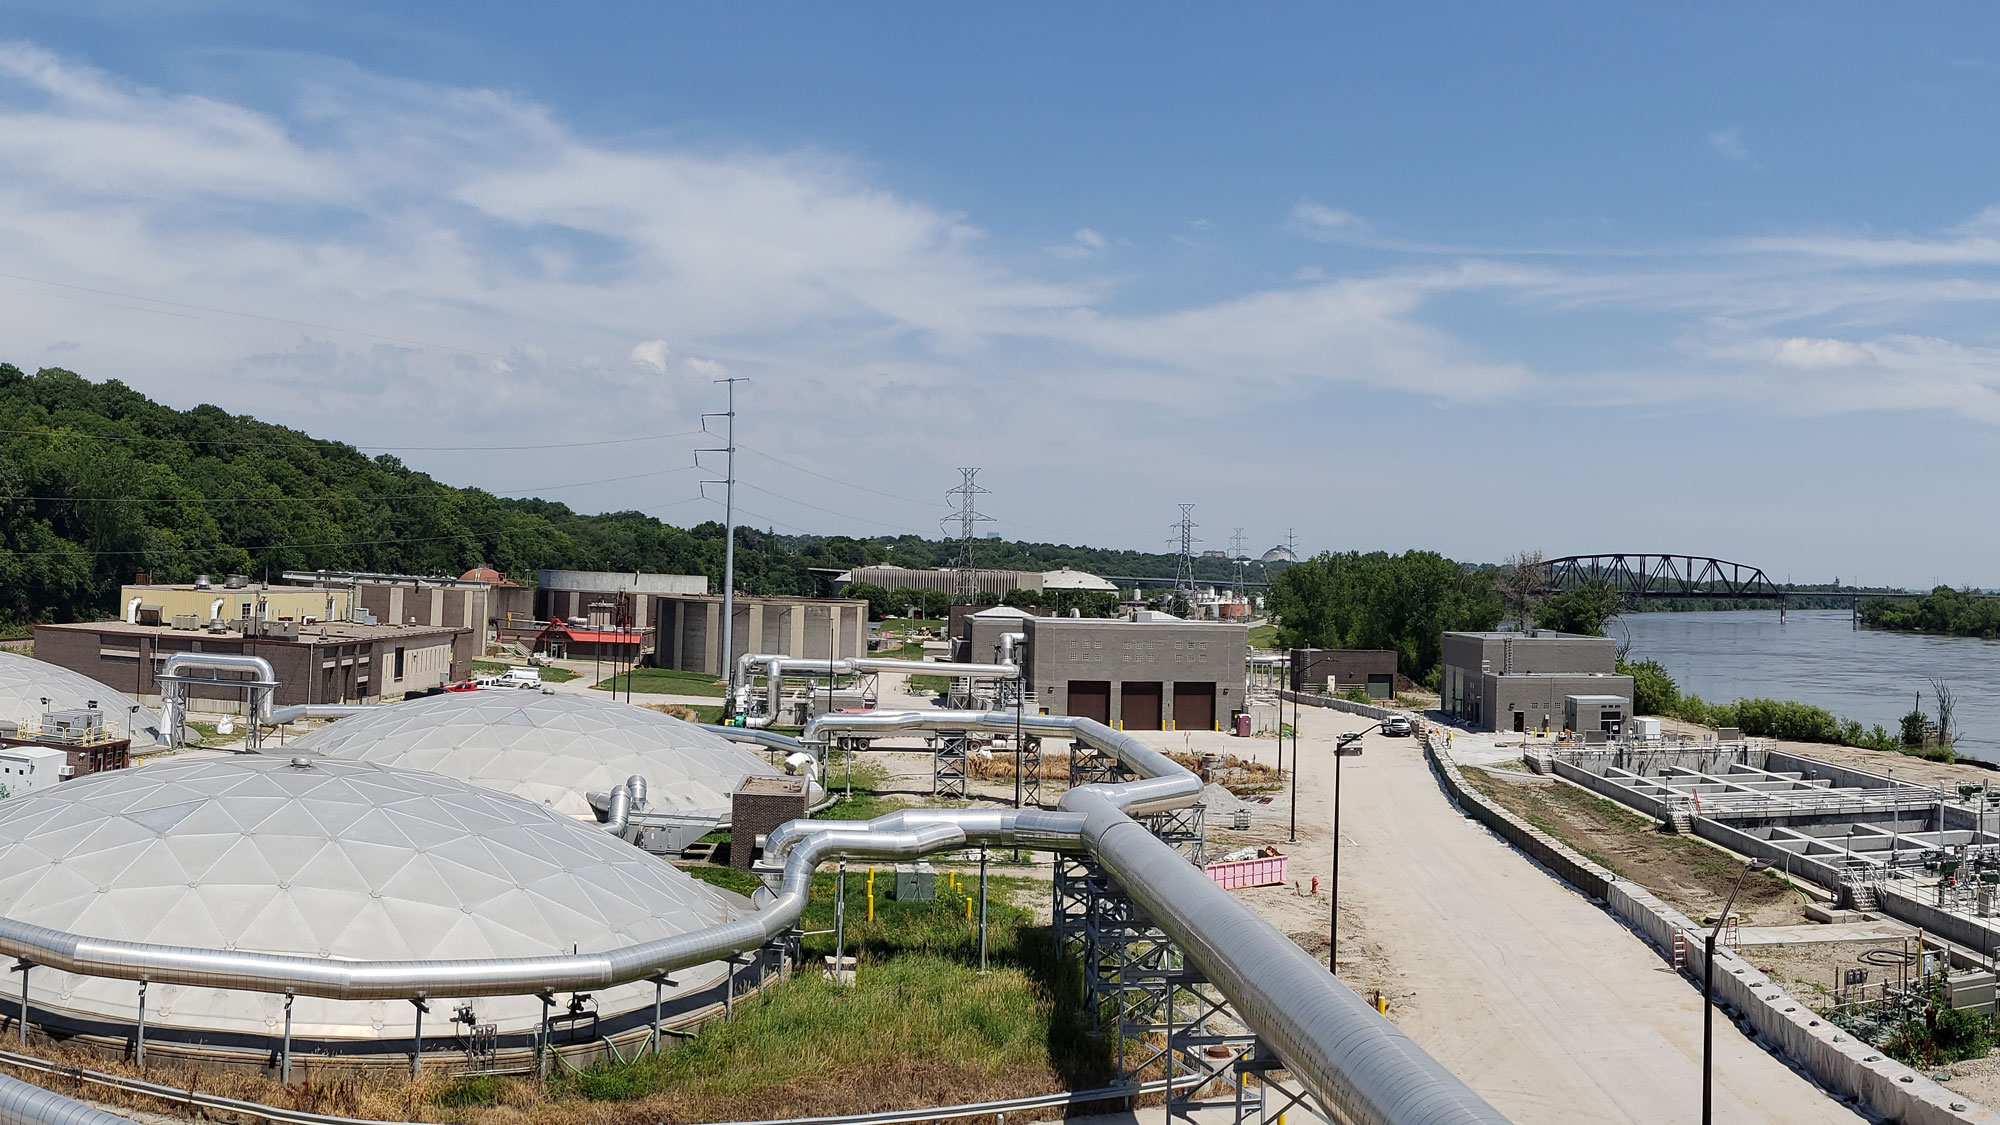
x=230, y=600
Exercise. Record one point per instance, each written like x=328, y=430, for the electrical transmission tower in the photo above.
x=1184, y=566
x=1237, y=558
x=965, y=505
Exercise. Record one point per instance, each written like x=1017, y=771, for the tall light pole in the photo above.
x=1333, y=910
x=728, y=658
x=1708, y=990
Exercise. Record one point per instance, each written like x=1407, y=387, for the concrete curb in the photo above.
x=1840, y=1062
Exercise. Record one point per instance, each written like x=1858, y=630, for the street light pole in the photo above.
x=1333, y=909
x=1708, y=991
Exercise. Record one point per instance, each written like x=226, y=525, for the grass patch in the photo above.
x=664, y=681
x=689, y=712
x=911, y=625
x=207, y=734
x=1264, y=637
x=908, y=650
x=471, y=1089
x=920, y=1026
x=935, y=685
x=868, y=801
x=496, y=668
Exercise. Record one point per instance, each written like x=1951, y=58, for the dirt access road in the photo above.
x=1542, y=1002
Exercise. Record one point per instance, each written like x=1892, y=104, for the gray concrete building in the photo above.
x=980, y=641
x=1373, y=669
x=1155, y=672
x=1524, y=681
x=688, y=629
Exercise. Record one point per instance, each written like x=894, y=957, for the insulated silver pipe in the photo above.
x=620, y=817
x=23, y=1104
x=751, y=736
x=777, y=667
x=278, y=716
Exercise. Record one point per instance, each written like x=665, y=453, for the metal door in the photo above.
x=1139, y=705
x=1194, y=706
x=1090, y=699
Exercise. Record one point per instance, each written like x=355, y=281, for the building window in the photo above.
x=399, y=662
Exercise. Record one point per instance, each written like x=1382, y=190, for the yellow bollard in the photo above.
x=871, y=893
x=968, y=908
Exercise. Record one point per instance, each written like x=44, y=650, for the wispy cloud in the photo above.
x=437, y=258
x=1729, y=142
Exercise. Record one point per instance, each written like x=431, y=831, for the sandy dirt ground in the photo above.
x=1540, y=1000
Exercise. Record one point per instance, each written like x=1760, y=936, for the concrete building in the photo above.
x=233, y=599
x=998, y=583
x=1154, y=672
x=978, y=637
x=467, y=602
x=328, y=662
x=688, y=629
x=26, y=767
x=1523, y=682
x=1371, y=668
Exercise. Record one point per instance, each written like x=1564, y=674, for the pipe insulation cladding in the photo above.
x=1361, y=1067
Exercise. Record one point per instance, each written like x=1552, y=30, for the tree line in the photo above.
x=99, y=483
x=1404, y=603
x=1957, y=613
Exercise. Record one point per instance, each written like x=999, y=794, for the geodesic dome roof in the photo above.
x=339, y=860
x=24, y=681
x=546, y=747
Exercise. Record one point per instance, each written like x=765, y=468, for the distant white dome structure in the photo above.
x=1280, y=554
x=547, y=747
x=333, y=859
x=25, y=682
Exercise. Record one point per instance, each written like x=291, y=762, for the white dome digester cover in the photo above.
x=546, y=747
x=339, y=860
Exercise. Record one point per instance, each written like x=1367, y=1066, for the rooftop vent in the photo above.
x=235, y=582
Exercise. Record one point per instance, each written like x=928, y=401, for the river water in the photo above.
x=1817, y=657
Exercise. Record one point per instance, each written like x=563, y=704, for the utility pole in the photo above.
x=728, y=658
x=1292, y=544
x=965, y=502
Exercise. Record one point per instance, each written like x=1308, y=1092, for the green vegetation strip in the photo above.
x=664, y=681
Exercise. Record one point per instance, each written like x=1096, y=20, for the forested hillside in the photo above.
x=99, y=482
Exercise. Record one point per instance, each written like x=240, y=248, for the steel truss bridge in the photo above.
x=1660, y=576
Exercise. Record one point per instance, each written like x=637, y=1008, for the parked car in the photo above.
x=1398, y=725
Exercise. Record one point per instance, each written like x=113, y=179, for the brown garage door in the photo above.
x=1139, y=705
x=1194, y=706
x=1090, y=699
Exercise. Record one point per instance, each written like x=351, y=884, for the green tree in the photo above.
x=881, y=603
x=1405, y=603
x=1582, y=610
x=1654, y=692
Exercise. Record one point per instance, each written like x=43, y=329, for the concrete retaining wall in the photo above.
x=1841, y=1063
x=1365, y=709
x=1604, y=787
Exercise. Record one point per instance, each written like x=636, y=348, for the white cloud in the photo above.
x=1084, y=243
x=1327, y=224
x=1729, y=142
x=1809, y=354
x=651, y=353
x=381, y=259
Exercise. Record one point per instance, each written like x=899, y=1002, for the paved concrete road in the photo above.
x=1542, y=1002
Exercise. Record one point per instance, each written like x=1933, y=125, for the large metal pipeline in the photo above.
x=776, y=667
x=23, y=1104
x=173, y=706
x=1344, y=1051
x=1339, y=1047
x=279, y=716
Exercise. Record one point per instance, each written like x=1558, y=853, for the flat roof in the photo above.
x=337, y=632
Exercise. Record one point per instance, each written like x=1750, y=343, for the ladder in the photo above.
x=1680, y=949
x=1731, y=930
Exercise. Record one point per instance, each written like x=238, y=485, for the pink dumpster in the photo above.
x=1262, y=871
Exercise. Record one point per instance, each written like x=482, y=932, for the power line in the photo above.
x=837, y=480
x=828, y=511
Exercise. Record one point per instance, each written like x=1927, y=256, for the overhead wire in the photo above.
x=838, y=481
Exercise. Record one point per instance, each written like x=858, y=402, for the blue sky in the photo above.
x=1708, y=278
